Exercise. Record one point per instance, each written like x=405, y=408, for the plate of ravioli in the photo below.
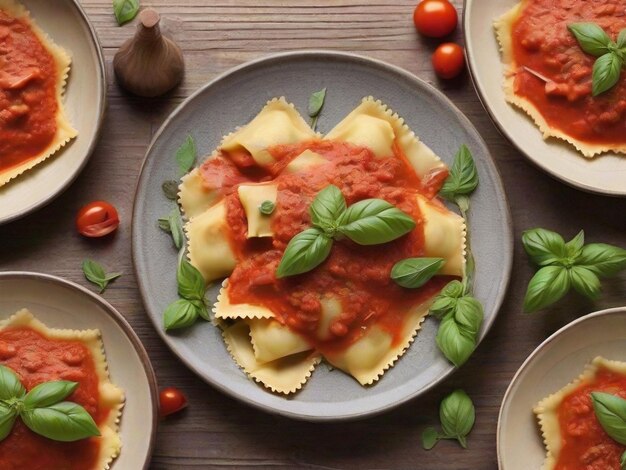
x=537, y=81
x=304, y=319
x=551, y=414
x=55, y=332
x=52, y=100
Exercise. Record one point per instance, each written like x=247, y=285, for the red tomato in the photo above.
x=435, y=18
x=97, y=219
x=448, y=60
x=171, y=400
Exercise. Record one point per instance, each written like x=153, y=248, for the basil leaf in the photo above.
x=468, y=315
x=453, y=289
x=621, y=39
x=456, y=344
x=94, y=272
x=170, y=189
x=374, y=221
x=602, y=259
x=463, y=177
x=544, y=246
x=585, y=281
x=7, y=420
x=327, y=206
x=48, y=393
x=415, y=272
x=611, y=413
x=547, y=286
x=186, y=155
x=591, y=38
x=457, y=415
x=574, y=247
x=443, y=306
x=267, y=207
x=10, y=384
x=125, y=10
x=606, y=72
x=176, y=228
x=63, y=421
x=316, y=102
x=430, y=437
x=180, y=314
x=191, y=284
x=622, y=461
x=305, y=251
x=201, y=309
x=164, y=224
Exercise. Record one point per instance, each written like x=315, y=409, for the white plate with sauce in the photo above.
x=604, y=174
x=556, y=362
x=85, y=97
x=62, y=304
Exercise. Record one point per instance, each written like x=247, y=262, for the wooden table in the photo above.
x=217, y=431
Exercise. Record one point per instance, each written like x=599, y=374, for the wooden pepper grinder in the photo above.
x=149, y=64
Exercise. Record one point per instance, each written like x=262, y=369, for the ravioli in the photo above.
x=583, y=443
x=33, y=76
x=70, y=355
x=549, y=77
x=347, y=311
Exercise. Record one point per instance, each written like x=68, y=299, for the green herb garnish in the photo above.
x=125, y=10
x=367, y=222
x=415, y=272
x=457, y=416
x=186, y=155
x=316, y=103
x=611, y=56
x=94, y=272
x=42, y=409
x=267, y=207
x=565, y=265
x=185, y=311
x=170, y=189
x=173, y=224
x=611, y=413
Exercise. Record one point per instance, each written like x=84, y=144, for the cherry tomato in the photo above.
x=435, y=18
x=171, y=400
x=448, y=60
x=97, y=219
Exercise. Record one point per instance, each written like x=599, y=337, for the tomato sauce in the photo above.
x=36, y=359
x=358, y=276
x=28, y=102
x=542, y=42
x=584, y=444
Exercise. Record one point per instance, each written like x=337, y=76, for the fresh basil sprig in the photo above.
x=94, y=273
x=461, y=317
x=173, y=224
x=611, y=413
x=316, y=103
x=460, y=313
x=185, y=311
x=42, y=409
x=457, y=416
x=367, y=222
x=267, y=207
x=170, y=189
x=125, y=10
x=415, y=272
x=611, y=56
x=566, y=265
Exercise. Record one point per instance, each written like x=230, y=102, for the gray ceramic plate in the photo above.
x=556, y=362
x=232, y=100
x=62, y=304
x=605, y=174
x=68, y=26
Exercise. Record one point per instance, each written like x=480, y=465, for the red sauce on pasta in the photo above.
x=542, y=42
x=37, y=359
x=28, y=103
x=356, y=275
x=584, y=444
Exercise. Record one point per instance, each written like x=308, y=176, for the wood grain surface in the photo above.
x=216, y=431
